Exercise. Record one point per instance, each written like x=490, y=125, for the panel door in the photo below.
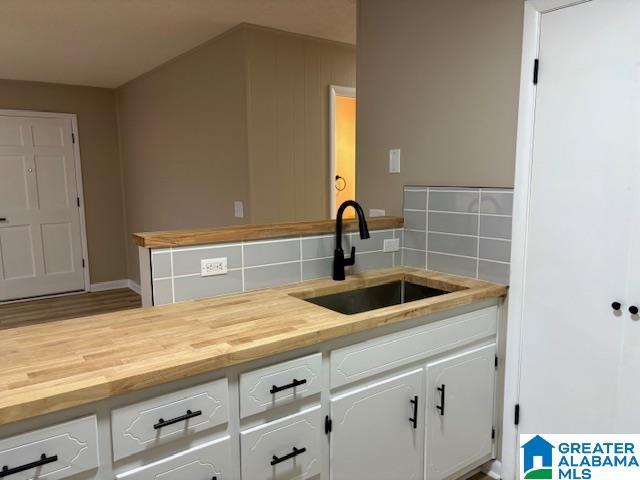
x=40, y=237
x=459, y=412
x=373, y=433
x=584, y=180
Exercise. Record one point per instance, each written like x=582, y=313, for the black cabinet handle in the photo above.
x=164, y=423
x=3, y=219
x=442, y=397
x=294, y=453
x=633, y=310
x=6, y=471
x=616, y=306
x=295, y=383
x=414, y=419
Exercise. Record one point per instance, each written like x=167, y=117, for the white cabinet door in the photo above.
x=285, y=449
x=373, y=433
x=210, y=461
x=460, y=401
x=579, y=227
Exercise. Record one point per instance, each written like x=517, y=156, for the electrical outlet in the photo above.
x=375, y=212
x=391, y=245
x=213, y=266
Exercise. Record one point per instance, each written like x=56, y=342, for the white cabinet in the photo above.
x=210, y=461
x=286, y=449
x=279, y=384
x=140, y=426
x=459, y=408
x=374, y=435
x=55, y=452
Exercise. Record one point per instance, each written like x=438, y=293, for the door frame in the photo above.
x=79, y=186
x=533, y=11
x=335, y=91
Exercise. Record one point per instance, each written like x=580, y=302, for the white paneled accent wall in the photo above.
x=252, y=265
x=464, y=231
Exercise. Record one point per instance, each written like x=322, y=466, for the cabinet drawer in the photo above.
x=279, y=384
x=285, y=449
x=382, y=353
x=144, y=425
x=55, y=452
x=204, y=462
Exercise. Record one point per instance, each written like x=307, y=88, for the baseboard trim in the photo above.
x=493, y=469
x=115, y=284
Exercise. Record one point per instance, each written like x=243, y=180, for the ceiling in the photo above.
x=105, y=43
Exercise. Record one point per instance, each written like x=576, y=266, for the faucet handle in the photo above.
x=352, y=259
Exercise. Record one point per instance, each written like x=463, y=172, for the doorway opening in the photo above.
x=342, y=179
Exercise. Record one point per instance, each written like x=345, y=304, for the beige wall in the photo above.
x=288, y=112
x=439, y=80
x=183, y=142
x=97, y=128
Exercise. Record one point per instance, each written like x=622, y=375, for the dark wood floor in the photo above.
x=71, y=306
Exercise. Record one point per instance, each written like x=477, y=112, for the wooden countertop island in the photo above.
x=54, y=366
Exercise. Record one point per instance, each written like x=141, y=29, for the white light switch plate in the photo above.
x=391, y=245
x=394, y=160
x=213, y=266
x=238, y=209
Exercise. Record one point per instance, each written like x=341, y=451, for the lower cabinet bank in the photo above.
x=413, y=400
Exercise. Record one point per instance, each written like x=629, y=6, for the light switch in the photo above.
x=394, y=160
x=238, y=209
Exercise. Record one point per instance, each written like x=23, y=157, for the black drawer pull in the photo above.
x=163, y=423
x=294, y=384
x=294, y=453
x=414, y=420
x=442, y=397
x=6, y=471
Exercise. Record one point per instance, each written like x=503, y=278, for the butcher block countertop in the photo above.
x=62, y=364
x=236, y=233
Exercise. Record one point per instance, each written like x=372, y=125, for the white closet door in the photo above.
x=40, y=237
x=584, y=179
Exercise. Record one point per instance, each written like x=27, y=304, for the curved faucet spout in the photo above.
x=339, y=262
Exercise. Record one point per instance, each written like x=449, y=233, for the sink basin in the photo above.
x=372, y=298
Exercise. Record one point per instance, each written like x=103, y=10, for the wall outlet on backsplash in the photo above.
x=391, y=245
x=213, y=266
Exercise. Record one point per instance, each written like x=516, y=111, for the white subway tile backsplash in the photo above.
x=415, y=199
x=318, y=268
x=415, y=220
x=162, y=291
x=321, y=247
x=497, y=202
x=449, y=201
x=495, y=227
x=414, y=258
x=452, y=264
x=195, y=286
x=491, y=249
x=415, y=240
x=455, y=244
x=493, y=272
x=465, y=224
x=161, y=264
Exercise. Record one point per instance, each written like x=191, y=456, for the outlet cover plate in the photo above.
x=213, y=266
x=391, y=245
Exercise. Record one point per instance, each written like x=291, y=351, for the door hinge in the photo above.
x=78, y=201
x=83, y=263
x=493, y=433
x=516, y=419
x=536, y=69
x=73, y=137
x=328, y=425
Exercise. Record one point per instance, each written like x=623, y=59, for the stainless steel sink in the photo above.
x=372, y=298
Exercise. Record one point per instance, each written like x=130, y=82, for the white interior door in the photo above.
x=459, y=408
x=373, y=436
x=40, y=236
x=582, y=190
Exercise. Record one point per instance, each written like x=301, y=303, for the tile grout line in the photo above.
x=426, y=233
x=301, y=262
x=173, y=282
x=242, y=263
x=478, y=234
